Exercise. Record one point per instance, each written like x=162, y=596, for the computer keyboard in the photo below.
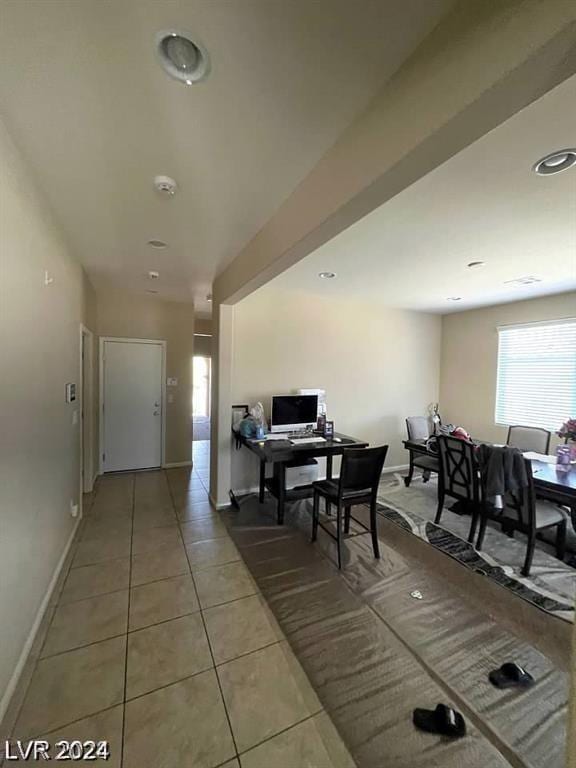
x=301, y=440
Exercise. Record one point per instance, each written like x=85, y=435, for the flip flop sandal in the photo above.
x=442, y=720
x=511, y=675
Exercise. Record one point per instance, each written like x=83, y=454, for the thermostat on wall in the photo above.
x=70, y=393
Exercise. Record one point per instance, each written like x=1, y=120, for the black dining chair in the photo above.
x=458, y=477
x=360, y=472
x=522, y=512
x=526, y=439
x=420, y=428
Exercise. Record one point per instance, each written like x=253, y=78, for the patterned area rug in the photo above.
x=444, y=540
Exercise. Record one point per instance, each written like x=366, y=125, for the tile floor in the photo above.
x=162, y=645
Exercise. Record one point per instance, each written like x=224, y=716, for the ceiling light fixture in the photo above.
x=326, y=275
x=555, y=162
x=454, y=298
x=476, y=264
x=182, y=58
x=157, y=243
x=526, y=280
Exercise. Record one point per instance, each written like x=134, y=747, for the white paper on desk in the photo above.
x=540, y=457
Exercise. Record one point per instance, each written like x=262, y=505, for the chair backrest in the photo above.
x=418, y=427
x=361, y=469
x=529, y=439
x=458, y=469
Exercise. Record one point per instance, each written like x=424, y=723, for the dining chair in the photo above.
x=458, y=477
x=360, y=472
x=525, y=439
x=420, y=428
x=523, y=512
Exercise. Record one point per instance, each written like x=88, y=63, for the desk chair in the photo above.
x=420, y=428
x=529, y=439
x=358, y=484
x=458, y=477
x=522, y=512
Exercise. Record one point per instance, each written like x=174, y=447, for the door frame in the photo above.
x=87, y=463
x=101, y=361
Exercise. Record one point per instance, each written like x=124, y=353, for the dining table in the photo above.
x=551, y=482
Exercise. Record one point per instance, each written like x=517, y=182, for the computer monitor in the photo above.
x=293, y=413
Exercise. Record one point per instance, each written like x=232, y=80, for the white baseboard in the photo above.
x=218, y=506
x=13, y=682
x=399, y=468
x=175, y=464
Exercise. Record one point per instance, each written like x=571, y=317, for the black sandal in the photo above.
x=511, y=675
x=443, y=720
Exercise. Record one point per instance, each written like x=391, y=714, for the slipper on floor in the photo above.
x=442, y=720
x=510, y=675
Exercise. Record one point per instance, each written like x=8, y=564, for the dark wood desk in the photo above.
x=559, y=487
x=282, y=453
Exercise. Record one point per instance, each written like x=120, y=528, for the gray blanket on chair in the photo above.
x=502, y=469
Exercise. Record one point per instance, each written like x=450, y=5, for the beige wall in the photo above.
x=470, y=357
x=40, y=447
x=130, y=316
x=377, y=365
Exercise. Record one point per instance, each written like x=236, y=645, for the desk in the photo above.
x=280, y=453
x=559, y=487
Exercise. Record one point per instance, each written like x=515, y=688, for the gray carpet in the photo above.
x=550, y=580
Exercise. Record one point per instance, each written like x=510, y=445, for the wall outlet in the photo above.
x=73, y=508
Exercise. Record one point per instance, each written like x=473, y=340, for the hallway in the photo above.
x=162, y=645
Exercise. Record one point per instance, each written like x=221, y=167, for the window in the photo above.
x=536, y=384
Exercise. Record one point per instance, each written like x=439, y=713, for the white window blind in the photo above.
x=536, y=384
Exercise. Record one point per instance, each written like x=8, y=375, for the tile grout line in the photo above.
x=127, y=627
x=236, y=755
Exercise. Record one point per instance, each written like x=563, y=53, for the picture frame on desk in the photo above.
x=239, y=412
x=329, y=429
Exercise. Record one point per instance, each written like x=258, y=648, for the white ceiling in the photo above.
x=97, y=118
x=484, y=204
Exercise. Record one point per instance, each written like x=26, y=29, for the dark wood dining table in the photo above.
x=550, y=482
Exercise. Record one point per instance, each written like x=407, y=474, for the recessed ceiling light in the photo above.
x=153, y=275
x=476, y=264
x=555, y=162
x=326, y=275
x=454, y=298
x=150, y=290
x=526, y=280
x=184, y=59
x=157, y=243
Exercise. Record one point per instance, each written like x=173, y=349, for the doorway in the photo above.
x=201, y=398
x=131, y=404
x=86, y=410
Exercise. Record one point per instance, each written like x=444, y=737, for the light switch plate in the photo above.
x=70, y=393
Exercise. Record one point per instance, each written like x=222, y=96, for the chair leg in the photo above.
x=561, y=541
x=483, y=521
x=315, y=515
x=440, y=506
x=473, y=525
x=529, y=554
x=347, y=514
x=408, y=478
x=339, y=534
x=374, y=530
x=328, y=507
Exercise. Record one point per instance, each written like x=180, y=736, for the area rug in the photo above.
x=445, y=541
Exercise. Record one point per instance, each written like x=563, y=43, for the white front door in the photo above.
x=132, y=405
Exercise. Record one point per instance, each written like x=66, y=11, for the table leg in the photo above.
x=281, y=492
x=262, y=482
x=329, y=467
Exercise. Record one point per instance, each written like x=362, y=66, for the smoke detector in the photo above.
x=153, y=275
x=165, y=185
